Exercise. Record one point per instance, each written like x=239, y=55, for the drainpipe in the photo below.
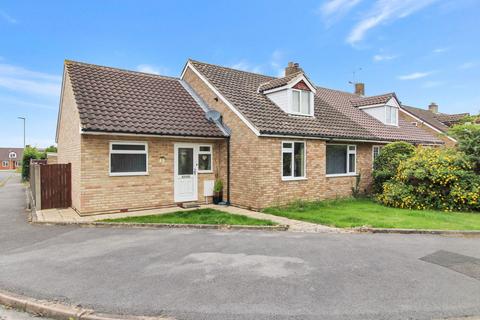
x=228, y=171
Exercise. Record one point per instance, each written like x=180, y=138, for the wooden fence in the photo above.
x=51, y=185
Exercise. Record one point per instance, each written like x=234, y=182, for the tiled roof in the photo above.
x=450, y=119
x=278, y=82
x=4, y=152
x=372, y=100
x=114, y=100
x=427, y=116
x=335, y=117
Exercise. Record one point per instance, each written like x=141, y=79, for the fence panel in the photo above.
x=56, y=186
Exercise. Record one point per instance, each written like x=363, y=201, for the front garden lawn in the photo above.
x=198, y=216
x=345, y=213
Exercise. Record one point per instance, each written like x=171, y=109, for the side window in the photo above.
x=205, y=159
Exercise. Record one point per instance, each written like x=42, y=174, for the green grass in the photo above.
x=346, y=213
x=199, y=216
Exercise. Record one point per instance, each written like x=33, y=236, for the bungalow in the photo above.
x=138, y=141
x=10, y=158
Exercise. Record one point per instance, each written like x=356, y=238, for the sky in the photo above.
x=424, y=50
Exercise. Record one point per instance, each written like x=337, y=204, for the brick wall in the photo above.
x=101, y=192
x=443, y=137
x=69, y=139
x=256, y=180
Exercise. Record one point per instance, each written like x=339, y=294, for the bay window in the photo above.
x=341, y=159
x=128, y=158
x=293, y=160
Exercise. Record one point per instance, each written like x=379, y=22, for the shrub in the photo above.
x=434, y=178
x=386, y=163
x=29, y=153
x=468, y=137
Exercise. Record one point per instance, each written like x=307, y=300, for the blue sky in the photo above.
x=424, y=50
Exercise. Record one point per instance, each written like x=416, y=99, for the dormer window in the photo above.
x=391, y=115
x=301, y=102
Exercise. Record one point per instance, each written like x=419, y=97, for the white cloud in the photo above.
x=148, y=68
x=385, y=11
x=469, y=65
x=246, y=66
x=414, y=76
x=5, y=16
x=383, y=57
x=27, y=81
x=440, y=50
x=333, y=10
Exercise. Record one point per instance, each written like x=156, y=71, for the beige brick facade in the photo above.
x=69, y=138
x=255, y=183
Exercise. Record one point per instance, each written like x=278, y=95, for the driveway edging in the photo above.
x=417, y=231
x=98, y=224
x=59, y=311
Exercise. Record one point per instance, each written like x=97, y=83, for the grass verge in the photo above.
x=198, y=216
x=347, y=213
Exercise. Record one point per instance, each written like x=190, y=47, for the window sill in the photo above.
x=294, y=179
x=127, y=174
x=339, y=175
x=203, y=171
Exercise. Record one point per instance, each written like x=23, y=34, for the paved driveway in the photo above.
x=199, y=274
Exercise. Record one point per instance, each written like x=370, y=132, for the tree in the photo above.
x=386, y=164
x=29, y=153
x=468, y=137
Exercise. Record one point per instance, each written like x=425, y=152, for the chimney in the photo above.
x=360, y=88
x=433, y=107
x=292, y=67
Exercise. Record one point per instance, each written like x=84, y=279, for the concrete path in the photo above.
x=226, y=275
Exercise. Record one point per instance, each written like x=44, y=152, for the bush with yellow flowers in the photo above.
x=434, y=178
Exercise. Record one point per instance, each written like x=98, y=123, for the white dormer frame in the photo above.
x=289, y=90
x=393, y=103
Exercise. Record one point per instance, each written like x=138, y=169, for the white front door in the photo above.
x=185, y=173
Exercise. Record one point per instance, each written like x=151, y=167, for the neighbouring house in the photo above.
x=10, y=158
x=138, y=141
x=432, y=120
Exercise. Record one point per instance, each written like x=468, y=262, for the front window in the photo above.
x=341, y=159
x=17, y=163
x=205, y=159
x=12, y=155
x=293, y=160
x=128, y=158
x=301, y=102
x=375, y=152
x=391, y=115
x=4, y=164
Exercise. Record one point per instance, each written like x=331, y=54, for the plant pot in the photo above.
x=217, y=197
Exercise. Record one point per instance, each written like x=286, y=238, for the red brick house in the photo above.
x=10, y=158
x=138, y=141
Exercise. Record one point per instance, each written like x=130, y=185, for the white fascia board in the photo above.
x=59, y=115
x=427, y=124
x=219, y=95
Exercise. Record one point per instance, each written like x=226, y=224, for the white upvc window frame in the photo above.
x=310, y=102
x=395, y=109
x=17, y=163
x=111, y=151
x=12, y=155
x=292, y=151
x=5, y=163
x=349, y=152
x=199, y=153
x=379, y=147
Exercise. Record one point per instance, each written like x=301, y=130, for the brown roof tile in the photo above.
x=115, y=100
x=4, y=152
x=372, y=100
x=335, y=117
x=277, y=82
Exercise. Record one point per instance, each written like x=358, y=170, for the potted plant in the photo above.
x=218, y=191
